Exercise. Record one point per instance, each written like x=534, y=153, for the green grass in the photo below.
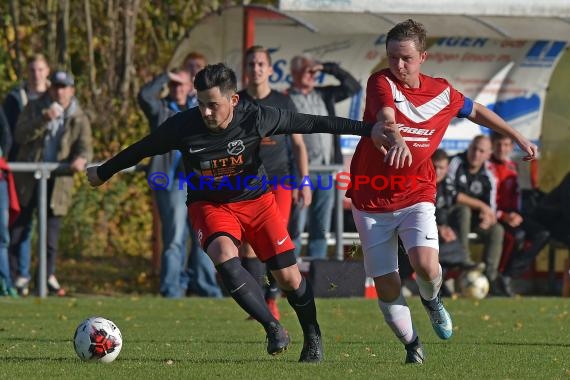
x=194, y=338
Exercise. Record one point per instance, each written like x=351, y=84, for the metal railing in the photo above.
x=338, y=199
x=43, y=171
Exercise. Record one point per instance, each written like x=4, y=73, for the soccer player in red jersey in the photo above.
x=415, y=110
x=227, y=199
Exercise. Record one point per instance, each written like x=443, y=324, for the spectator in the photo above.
x=36, y=85
x=194, y=62
x=175, y=280
x=524, y=237
x=52, y=128
x=275, y=153
x=201, y=273
x=5, y=135
x=322, y=148
x=8, y=201
x=477, y=193
x=451, y=252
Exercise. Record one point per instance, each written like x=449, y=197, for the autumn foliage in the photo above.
x=112, y=47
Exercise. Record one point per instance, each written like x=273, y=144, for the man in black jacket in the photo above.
x=476, y=192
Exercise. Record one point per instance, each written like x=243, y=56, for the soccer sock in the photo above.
x=397, y=316
x=245, y=291
x=272, y=290
x=430, y=289
x=256, y=268
x=303, y=302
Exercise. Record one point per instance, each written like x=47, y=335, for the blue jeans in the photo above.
x=201, y=271
x=319, y=214
x=173, y=218
x=4, y=235
x=21, y=237
x=174, y=278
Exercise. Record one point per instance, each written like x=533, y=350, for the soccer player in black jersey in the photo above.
x=227, y=199
x=277, y=153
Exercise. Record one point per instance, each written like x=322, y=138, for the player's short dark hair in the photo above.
x=439, y=155
x=409, y=30
x=258, y=49
x=217, y=75
x=496, y=136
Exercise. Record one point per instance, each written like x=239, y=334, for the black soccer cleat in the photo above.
x=312, y=350
x=415, y=352
x=277, y=339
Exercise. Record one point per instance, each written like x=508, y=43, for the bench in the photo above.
x=347, y=237
x=350, y=238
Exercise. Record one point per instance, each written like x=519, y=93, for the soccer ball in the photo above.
x=473, y=284
x=97, y=339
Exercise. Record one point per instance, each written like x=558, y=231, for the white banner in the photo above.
x=507, y=76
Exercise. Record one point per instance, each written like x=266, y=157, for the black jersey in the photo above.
x=481, y=185
x=275, y=151
x=445, y=199
x=224, y=166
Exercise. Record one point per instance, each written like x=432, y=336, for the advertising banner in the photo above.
x=508, y=76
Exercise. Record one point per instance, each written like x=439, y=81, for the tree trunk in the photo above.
x=130, y=10
x=51, y=35
x=14, y=12
x=112, y=46
x=62, y=35
x=91, y=54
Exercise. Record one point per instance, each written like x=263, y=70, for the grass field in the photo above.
x=194, y=338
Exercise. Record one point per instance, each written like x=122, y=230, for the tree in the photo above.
x=111, y=46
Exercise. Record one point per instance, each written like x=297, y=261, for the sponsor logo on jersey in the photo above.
x=235, y=147
x=417, y=131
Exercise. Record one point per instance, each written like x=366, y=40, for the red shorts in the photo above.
x=284, y=199
x=258, y=221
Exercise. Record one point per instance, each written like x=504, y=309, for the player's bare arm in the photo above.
x=394, y=147
x=484, y=116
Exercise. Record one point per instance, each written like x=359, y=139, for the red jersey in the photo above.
x=508, y=194
x=425, y=113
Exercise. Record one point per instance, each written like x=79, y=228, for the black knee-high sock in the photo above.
x=245, y=291
x=303, y=302
x=272, y=290
x=256, y=268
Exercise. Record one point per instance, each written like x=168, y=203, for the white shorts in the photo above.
x=379, y=233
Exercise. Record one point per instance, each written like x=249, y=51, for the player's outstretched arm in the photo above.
x=484, y=116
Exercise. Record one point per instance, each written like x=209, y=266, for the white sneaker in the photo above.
x=54, y=287
x=22, y=284
x=53, y=284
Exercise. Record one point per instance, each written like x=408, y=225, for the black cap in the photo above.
x=62, y=78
